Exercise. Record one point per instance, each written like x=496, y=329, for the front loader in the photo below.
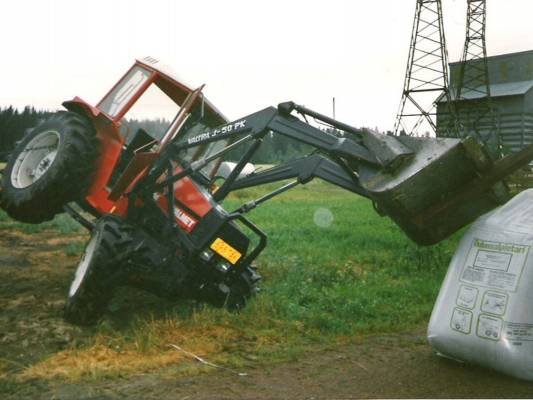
x=155, y=204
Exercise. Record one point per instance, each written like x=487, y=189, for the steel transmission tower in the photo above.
x=426, y=78
x=473, y=99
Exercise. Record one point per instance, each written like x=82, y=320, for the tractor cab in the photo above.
x=143, y=112
x=146, y=74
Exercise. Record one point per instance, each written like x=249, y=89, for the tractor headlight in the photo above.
x=206, y=255
x=223, y=266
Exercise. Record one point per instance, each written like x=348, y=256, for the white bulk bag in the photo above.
x=484, y=311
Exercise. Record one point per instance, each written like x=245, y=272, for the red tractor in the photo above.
x=157, y=220
x=87, y=155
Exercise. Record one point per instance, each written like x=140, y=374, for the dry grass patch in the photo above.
x=3, y=368
x=147, y=350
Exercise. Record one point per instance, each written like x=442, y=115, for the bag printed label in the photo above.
x=494, y=264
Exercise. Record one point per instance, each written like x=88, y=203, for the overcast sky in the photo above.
x=251, y=54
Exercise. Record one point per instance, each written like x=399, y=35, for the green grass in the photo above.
x=61, y=224
x=359, y=274
x=74, y=248
x=323, y=283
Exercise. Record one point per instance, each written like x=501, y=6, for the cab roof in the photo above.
x=168, y=74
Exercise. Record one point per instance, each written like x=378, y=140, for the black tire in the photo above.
x=52, y=165
x=235, y=292
x=100, y=270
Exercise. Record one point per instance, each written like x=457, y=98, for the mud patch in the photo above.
x=34, y=276
x=391, y=366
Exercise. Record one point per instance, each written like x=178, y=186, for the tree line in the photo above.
x=13, y=124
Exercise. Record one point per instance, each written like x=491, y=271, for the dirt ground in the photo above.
x=34, y=276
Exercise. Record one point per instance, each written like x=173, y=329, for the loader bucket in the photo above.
x=446, y=185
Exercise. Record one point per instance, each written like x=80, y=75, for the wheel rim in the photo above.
x=83, y=266
x=35, y=159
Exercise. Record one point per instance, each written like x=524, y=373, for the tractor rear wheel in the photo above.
x=52, y=165
x=99, y=271
x=234, y=292
x=244, y=287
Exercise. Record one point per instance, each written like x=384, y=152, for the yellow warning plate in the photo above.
x=225, y=250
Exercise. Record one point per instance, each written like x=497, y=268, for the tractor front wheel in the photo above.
x=100, y=270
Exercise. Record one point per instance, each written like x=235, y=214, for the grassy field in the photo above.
x=333, y=271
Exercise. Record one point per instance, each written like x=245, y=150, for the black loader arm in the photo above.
x=330, y=164
x=336, y=162
x=270, y=119
x=430, y=187
x=304, y=170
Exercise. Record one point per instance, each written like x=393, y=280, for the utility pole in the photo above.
x=426, y=78
x=473, y=98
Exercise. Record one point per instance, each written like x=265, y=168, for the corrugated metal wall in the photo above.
x=503, y=68
x=514, y=112
x=514, y=128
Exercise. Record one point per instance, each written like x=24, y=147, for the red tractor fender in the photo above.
x=107, y=131
x=80, y=106
x=102, y=123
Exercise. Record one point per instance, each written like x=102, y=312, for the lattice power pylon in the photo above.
x=473, y=98
x=426, y=78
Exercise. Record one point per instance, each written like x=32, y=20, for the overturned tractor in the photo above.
x=154, y=210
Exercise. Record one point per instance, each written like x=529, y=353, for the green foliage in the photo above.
x=358, y=274
x=8, y=386
x=3, y=216
x=274, y=149
x=13, y=124
x=74, y=248
x=157, y=127
x=61, y=224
